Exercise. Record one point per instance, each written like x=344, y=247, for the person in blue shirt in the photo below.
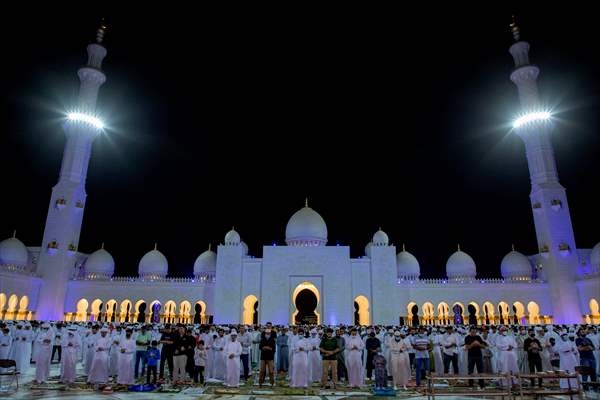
x=152, y=357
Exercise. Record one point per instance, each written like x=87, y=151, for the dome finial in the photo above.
x=155, y=245
x=514, y=28
x=209, y=247
x=403, y=247
x=102, y=245
x=379, y=227
x=15, y=233
x=306, y=202
x=513, y=247
x=458, y=246
x=100, y=31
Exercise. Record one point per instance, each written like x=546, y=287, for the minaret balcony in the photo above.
x=72, y=249
x=52, y=247
x=79, y=205
x=545, y=251
x=60, y=203
x=537, y=207
x=556, y=204
x=564, y=249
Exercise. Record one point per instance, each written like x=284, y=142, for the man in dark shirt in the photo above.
x=586, y=354
x=168, y=341
x=329, y=348
x=473, y=344
x=373, y=345
x=267, y=353
x=533, y=348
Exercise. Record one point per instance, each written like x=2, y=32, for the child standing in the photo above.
x=379, y=363
x=199, y=362
x=152, y=357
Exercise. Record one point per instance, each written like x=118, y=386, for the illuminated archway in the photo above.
x=154, y=312
x=22, y=312
x=248, y=314
x=140, y=311
x=11, y=308
x=475, y=309
x=462, y=312
x=95, y=313
x=2, y=304
x=200, y=312
x=412, y=314
x=503, y=313
x=125, y=311
x=184, y=312
x=364, y=315
x=534, y=312
x=82, y=306
x=519, y=311
x=428, y=313
x=594, y=311
x=443, y=313
x=488, y=313
x=111, y=310
x=169, y=314
x=305, y=286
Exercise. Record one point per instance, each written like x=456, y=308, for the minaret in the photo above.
x=551, y=215
x=65, y=213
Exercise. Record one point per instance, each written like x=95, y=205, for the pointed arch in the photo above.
x=185, y=308
x=443, y=313
x=594, y=311
x=519, y=312
x=534, y=312
x=3, y=301
x=364, y=314
x=306, y=286
x=169, y=313
x=489, y=313
x=248, y=307
x=428, y=313
x=111, y=310
x=125, y=309
x=200, y=312
x=476, y=313
x=96, y=310
x=82, y=306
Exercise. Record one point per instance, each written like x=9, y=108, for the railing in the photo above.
x=153, y=279
x=442, y=281
x=15, y=269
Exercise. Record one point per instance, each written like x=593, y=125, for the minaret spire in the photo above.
x=14, y=233
x=553, y=226
x=514, y=28
x=306, y=202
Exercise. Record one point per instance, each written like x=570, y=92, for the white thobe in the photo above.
x=21, y=349
x=400, y=363
x=89, y=343
x=596, y=342
x=5, y=346
x=567, y=351
x=126, y=350
x=314, y=359
x=99, y=366
x=70, y=349
x=507, y=362
x=437, y=354
x=42, y=355
x=299, y=377
x=219, y=358
x=113, y=364
x=255, y=350
x=355, y=347
x=231, y=352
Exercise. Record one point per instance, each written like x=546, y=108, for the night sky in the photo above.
x=232, y=118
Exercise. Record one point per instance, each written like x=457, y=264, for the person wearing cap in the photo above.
x=180, y=356
x=399, y=362
x=245, y=340
x=218, y=346
x=167, y=339
x=283, y=355
x=5, y=343
x=314, y=357
x=533, y=348
x=267, y=354
x=127, y=348
x=372, y=345
x=232, y=352
x=43, y=352
x=299, y=369
x=99, y=368
x=113, y=363
x=354, y=346
x=450, y=350
x=57, y=343
x=474, y=345
x=142, y=341
x=329, y=347
x=70, y=347
x=586, y=354
x=89, y=342
x=567, y=352
x=506, y=345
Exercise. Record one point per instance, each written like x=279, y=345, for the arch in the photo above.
x=248, y=313
x=96, y=308
x=82, y=306
x=412, y=314
x=2, y=304
x=169, y=313
x=475, y=314
x=140, y=311
x=200, y=314
x=305, y=286
x=364, y=314
x=534, y=312
x=125, y=309
x=458, y=318
x=489, y=312
x=428, y=312
x=184, y=311
x=503, y=312
x=443, y=313
x=111, y=310
x=154, y=311
x=519, y=311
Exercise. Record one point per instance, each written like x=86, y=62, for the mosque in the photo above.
x=56, y=281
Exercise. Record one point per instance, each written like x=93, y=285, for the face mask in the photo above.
x=397, y=338
x=532, y=335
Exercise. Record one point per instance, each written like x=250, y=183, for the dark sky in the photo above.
x=234, y=117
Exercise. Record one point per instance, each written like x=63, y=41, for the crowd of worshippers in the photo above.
x=125, y=353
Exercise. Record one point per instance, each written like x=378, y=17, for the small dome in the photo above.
x=368, y=249
x=380, y=238
x=244, y=248
x=13, y=252
x=460, y=265
x=100, y=263
x=595, y=256
x=232, y=238
x=515, y=265
x=306, y=228
x=206, y=263
x=407, y=264
x=153, y=264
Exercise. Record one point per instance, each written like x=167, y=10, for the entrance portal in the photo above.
x=305, y=300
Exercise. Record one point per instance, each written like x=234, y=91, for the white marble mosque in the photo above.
x=55, y=280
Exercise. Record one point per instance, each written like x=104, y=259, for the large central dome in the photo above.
x=306, y=228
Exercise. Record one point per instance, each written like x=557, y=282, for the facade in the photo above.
x=55, y=281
